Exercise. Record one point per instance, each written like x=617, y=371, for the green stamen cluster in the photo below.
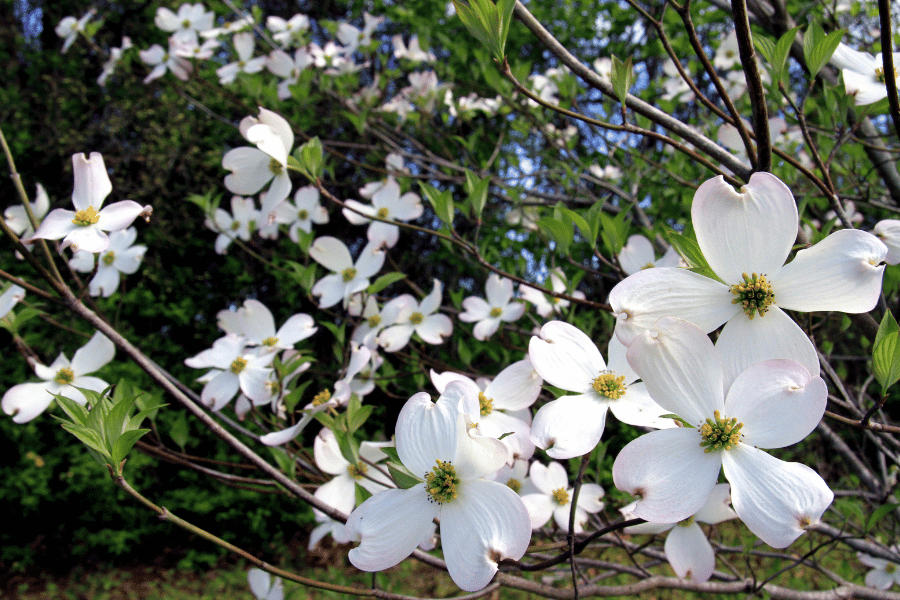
x=514, y=484
x=275, y=167
x=687, y=522
x=235, y=226
x=64, y=376
x=109, y=258
x=890, y=568
x=442, y=483
x=86, y=217
x=321, y=398
x=720, y=434
x=416, y=318
x=879, y=74
x=487, y=404
x=382, y=213
x=238, y=365
x=561, y=496
x=348, y=274
x=649, y=265
x=607, y=384
x=374, y=321
x=496, y=312
x=358, y=470
x=755, y=295
x=270, y=341
x=303, y=214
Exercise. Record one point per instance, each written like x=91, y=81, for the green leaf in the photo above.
x=384, y=281
x=478, y=193
x=442, y=203
x=284, y=462
x=780, y=54
x=391, y=453
x=818, y=47
x=76, y=412
x=559, y=231
x=688, y=249
x=124, y=443
x=886, y=360
x=349, y=447
x=622, y=77
x=614, y=232
x=310, y=157
x=488, y=22
x=583, y=226
x=888, y=325
x=362, y=494
x=402, y=476
x=765, y=46
x=89, y=438
x=179, y=432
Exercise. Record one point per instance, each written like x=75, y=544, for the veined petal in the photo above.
x=680, y=368
x=717, y=507
x=92, y=184
x=540, y=508
x=220, y=390
x=747, y=232
x=744, y=342
x=426, y=432
x=57, y=225
x=564, y=356
x=778, y=401
x=689, y=553
x=89, y=238
x=120, y=215
x=328, y=454
x=280, y=125
x=636, y=407
x=569, y=426
x=839, y=273
x=93, y=355
x=474, y=309
x=668, y=472
x=354, y=217
x=515, y=387
x=777, y=500
x=389, y=526
x=498, y=289
x=250, y=170
x=331, y=253
x=487, y=523
x=477, y=455
x=434, y=328
x=371, y=258
x=485, y=328
x=268, y=141
x=339, y=493
x=636, y=254
x=640, y=300
x=330, y=289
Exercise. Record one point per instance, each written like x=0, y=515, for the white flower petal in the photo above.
x=668, y=472
x=540, y=508
x=328, y=454
x=515, y=387
x=569, y=426
x=689, y=553
x=839, y=273
x=26, y=401
x=636, y=407
x=95, y=354
x=426, y=432
x=717, y=507
x=487, y=523
x=636, y=254
x=92, y=184
x=565, y=357
x=777, y=500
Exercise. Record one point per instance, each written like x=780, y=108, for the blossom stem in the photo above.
x=754, y=86
x=887, y=59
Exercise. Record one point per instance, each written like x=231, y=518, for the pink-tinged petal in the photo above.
x=636, y=407
x=485, y=328
x=640, y=300
x=57, y=225
x=747, y=232
x=120, y=215
x=389, y=526
x=569, y=426
x=840, y=273
x=474, y=309
x=499, y=290
x=487, y=523
x=717, y=507
x=92, y=184
x=668, y=472
x=371, y=259
x=516, y=387
x=331, y=253
x=680, y=368
x=426, y=432
x=354, y=217
x=220, y=390
x=778, y=401
x=540, y=508
x=689, y=553
x=565, y=357
x=777, y=500
x=95, y=354
x=434, y=329
x=26, y=401
x=637, y=254
x=432, y=302
x=250, y=170
x=744, y=342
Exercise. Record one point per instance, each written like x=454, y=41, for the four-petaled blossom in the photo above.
x=191, y=19
x=254, y=321
x=421, y=318
x=120, y=257
x=863, y=73
x=243, y=45
x=17, y=218
x=413, y=52
x=554, y=498
x=163, y=61
x=884, y=573
x=498, y=308
x=746, y=237
x=27, y=400
x=238, y=224
x=85, y=229
x=233, y=368
x=69, y=28
x=572, y=425
x=687, y=549
x=347, y=277
x=638, y=254
x=283, y=31
x=546, y=305
x=772, y=404
x=482, y=521
x=387, y=203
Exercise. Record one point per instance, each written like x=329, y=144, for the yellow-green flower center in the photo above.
x=720, y=433
x=754, y=294
x=382, y=213
x=86, y=217
x=348, y=274
x=276, y=167
x=514, y=484
x=186, y=23
x=64, y=376
x=270, y=341
x=109, y=258
x=686, y=522
x=374, y=320
x=238, y=365
x=416, y=318
x=496, y=312
x=358, y=470
x=890, y=568
x=442, y=483
x=561, y=496
x=235, y=226
x=879, y=74
x=321, y=398
x=303, y=214
x=649, y=265
x=487, y=404
x=607, y=384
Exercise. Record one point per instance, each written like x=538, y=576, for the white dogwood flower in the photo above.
x=863, y=73
x=554, y=498
x=347, y=277
x=499, y=307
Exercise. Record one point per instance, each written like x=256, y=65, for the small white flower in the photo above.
x=499, y=307
x=888, y=231
x=638, y=254
x=120, y=257
x=264, y=586
x=554, y=498
x=420, y=318
x=347, y=277
x=69, y=28
x=884, y=573
x=863, y=73
x=387, y=203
